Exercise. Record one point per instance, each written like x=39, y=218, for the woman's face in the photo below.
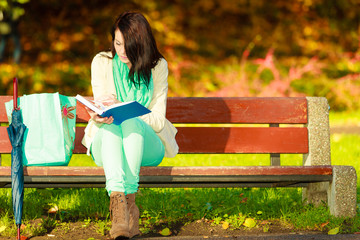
x=120, y=48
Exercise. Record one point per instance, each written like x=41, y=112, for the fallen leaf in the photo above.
x=244, y=200
x=24, y=238
x=225, y=225
x=165, y=232
x=324, y=224
x=334, y=231
x=249, y=222
x=2, y=228
x=54, y=209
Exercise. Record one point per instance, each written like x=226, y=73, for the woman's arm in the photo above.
x=99, y=76
x=98, y=83
x=156, y=119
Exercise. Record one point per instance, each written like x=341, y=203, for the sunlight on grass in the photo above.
x=344, y=118
x=229, y=160
x=81, y=160
x=345, y=150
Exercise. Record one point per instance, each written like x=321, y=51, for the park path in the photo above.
x=295, y=236
x=345, y=129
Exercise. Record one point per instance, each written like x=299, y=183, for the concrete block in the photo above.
x=342, y=192
x=319, y=147
x=316, y=193
x=319, y=132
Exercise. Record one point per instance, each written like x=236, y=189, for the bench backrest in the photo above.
x=212, y=125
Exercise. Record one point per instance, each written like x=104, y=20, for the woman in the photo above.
x=134, y=69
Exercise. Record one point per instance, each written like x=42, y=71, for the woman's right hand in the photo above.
x=95, y=117
x=105, y=100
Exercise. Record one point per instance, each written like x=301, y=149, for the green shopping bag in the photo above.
x=50, y=119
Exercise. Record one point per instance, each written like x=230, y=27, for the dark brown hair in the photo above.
x=140, y=45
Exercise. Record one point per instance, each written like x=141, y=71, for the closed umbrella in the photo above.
x=16, y=132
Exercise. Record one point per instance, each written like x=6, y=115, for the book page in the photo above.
x=88, y=104
x=117, y=105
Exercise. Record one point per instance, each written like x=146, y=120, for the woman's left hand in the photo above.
x=108, y=100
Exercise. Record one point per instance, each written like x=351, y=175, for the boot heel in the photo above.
x=134, y=215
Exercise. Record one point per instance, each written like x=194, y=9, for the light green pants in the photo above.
x=122, y=149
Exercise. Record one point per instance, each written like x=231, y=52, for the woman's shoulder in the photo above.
x=160, y=71
x=103, y=57
x=161, y=65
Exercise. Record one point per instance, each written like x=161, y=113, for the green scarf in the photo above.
x=125, y=89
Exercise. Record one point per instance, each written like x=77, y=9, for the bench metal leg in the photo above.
x=342, y=192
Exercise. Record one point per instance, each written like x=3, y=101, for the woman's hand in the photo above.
x=94, y=116
x=106, y=100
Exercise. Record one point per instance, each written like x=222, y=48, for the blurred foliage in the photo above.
x=213, y=47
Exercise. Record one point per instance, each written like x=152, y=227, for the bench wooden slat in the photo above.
x=5, y=146
x=170, y=185
x=242, y=140
x=253, y=176
x=172, y=182
x=237, y=110
x=3, y=100
x=180, y=171
x=219, y=110
x=220, y=140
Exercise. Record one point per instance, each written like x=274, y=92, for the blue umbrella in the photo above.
x=16, y=132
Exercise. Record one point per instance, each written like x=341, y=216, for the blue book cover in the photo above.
x=120, y=111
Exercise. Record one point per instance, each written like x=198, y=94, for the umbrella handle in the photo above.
x=15, y=93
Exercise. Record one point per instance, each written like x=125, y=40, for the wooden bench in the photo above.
x=292, y=126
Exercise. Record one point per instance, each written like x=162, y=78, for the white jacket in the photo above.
x=102, y=82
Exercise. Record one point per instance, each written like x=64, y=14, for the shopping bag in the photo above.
x=50, y=119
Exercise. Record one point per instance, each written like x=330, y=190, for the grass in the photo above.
x=167, y=207
x=344, y=118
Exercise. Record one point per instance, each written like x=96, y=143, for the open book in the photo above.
x=120, y=111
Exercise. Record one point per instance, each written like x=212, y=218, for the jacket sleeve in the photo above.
x=99, y=76
x=156, y=119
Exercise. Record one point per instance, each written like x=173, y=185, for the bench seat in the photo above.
x=254, y=176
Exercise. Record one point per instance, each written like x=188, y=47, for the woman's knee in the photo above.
x=133, y=125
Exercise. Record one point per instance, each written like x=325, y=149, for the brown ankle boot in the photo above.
x=133, y=215
x=119, y=215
